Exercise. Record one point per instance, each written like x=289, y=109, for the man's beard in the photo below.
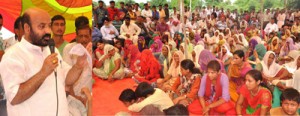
x=39, y=41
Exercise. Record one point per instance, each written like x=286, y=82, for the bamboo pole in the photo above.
x=261, y=18
x=181, y=2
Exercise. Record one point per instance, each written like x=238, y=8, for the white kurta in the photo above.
x=270, y=28
x=132, y=30
x=280, y=18
x=21, y=62
x=85, y=79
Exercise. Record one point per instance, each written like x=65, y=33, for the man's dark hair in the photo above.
x=105, y=19
x=83, y=27
x=143, y=90
x=112, y=2
x=81, y=21
x=127, y=18
x=214, y=65
x=57, y=17
x=18, y=22
x=121, y=2
x=290, y=94
x=178, y=110
x=1, y=16
x=127, y=95
x=100, y=1
x=26, y=19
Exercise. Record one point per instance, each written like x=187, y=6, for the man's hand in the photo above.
x=111, y=32
x=127, y=35
x=50, y=63
x=89, y=48
x=81, y=61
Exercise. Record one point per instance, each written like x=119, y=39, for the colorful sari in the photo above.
x=173, y=70
x=109, y=65
x=150, y=68
x=237, y=78
x=159, y=45
x=252, y=104
x=142, y=43
x=134, y=56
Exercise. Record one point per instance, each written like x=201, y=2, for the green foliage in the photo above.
x=293, y=4
x=241, y=5
x=157, y=2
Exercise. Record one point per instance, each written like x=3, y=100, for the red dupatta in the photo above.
x=218, y=88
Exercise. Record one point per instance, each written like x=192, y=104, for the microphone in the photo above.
x=51, y=44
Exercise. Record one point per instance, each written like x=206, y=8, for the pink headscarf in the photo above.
x=159, y=45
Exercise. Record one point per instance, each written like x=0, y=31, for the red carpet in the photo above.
x=106, y=96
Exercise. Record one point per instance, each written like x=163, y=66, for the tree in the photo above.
x=158, y=2
x=293, y=4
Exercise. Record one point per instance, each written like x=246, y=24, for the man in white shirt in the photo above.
x=130, y=31
x=147, y=13
x=271, y=27
x=72, y=51
x=19, y=32
x=203, y=14
x=147, y=95
x=108, y=31
x=175, y=27
x=32, y=73
x=266, y=17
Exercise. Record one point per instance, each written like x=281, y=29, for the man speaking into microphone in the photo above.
x=27, y=71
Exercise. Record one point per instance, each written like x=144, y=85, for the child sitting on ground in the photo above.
x=290, y=103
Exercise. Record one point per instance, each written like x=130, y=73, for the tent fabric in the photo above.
x=70, y=9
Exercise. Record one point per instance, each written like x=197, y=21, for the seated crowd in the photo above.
x=211, y=62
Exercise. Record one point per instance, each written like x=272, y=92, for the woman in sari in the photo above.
x=225, y=56
x=196, y=53
x=133, y=57
x=204, y=57
x=172, y=46
x=238, y=45
x=165, y=59
x=258, y=54
x=188, y=49
x=287, y=47
x=110, y=66
x=236, y=73
x=149, y=68
x=232, y=44
x=274, y=45
x=256, y=37
x=254, y=98
x=227, y=33
x=272, y=73
x=156, y=46
x=213, y=94
x=252, y=45
x=173, y=72
x=142, y=43
x=178, y=38
x=186, y=86
x=243, y=40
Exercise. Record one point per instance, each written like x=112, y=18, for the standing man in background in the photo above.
x=58, y=27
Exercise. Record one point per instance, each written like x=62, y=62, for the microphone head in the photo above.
x=51, y=44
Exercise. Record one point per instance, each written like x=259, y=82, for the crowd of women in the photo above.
x=223, y=64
